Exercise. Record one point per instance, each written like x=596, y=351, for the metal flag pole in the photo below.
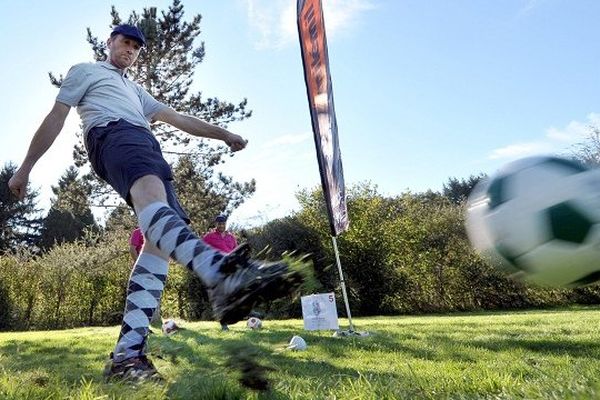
x=342, y=283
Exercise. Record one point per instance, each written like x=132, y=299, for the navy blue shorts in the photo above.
x=121, y=153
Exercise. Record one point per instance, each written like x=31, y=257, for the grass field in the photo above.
x=552, y=354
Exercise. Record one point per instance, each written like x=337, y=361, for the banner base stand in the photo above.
x=350, y=333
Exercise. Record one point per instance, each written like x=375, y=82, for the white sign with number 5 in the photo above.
x=319, y=312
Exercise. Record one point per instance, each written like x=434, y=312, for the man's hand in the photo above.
x=18, y=183
x=235, y=142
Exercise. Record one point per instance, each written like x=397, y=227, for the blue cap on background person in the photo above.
x=130, y=31
x=221, y=218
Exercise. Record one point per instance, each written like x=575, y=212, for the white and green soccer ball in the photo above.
x=538, y=219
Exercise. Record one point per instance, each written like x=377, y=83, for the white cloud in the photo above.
x=274, y=21
x=518, y=150
x=575, y=130
x=556, y=139
x=342, y=14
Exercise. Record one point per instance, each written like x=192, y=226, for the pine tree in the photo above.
x=70, y=216
x=165, y=68
x=19, y=220
x=458, y=190
x=587, y=152
x=204, y=194
x=121, y=217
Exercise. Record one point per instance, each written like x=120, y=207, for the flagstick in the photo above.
x=342, y=282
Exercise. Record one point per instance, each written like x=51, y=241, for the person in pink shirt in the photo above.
x=221, y=240
x=136, y=242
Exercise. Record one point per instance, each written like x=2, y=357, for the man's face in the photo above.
x=123, y=51
x=221, y=227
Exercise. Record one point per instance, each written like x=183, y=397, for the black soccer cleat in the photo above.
x=253, y=281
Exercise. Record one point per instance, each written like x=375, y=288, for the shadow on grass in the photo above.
x=196, y=361
x=550, y=347
x=203, y=371
x=72, y=360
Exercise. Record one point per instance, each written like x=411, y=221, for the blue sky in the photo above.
x=424, y=90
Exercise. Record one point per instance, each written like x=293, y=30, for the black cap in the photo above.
x=130, y=31
x=221, y=218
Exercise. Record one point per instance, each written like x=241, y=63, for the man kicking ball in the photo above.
x=116, y=114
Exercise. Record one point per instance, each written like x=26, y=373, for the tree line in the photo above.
x=403, y=254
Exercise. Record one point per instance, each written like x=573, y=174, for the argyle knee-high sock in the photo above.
x=146, y=284
x=165, y=229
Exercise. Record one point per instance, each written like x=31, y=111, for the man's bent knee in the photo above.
x=147, y=190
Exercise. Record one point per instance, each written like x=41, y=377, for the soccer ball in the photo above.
x=538, y=219
x=169, y=326
x=254, y=323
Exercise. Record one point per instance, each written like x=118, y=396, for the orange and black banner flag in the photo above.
x=313, y=42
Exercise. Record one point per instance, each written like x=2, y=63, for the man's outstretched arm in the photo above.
x=197, y=127
x=41, y=142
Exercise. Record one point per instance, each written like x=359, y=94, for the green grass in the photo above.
x=551, y=354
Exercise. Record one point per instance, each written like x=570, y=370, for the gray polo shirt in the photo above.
x=102, y=93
